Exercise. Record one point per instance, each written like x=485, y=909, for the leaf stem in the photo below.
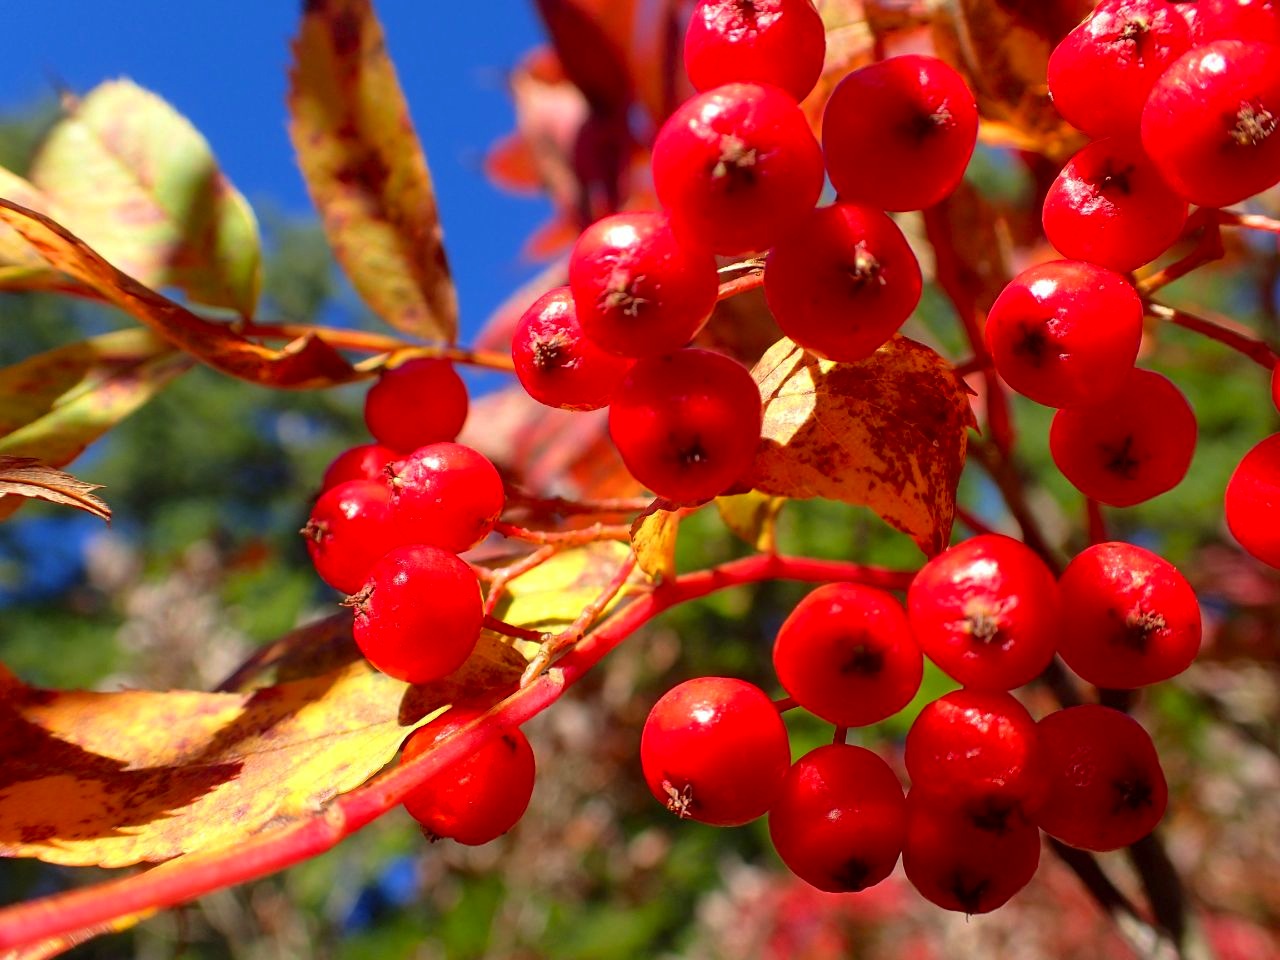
x=566, y=538
x=1253, y=348
x=365, y=341
x=731, y=288
x=1207, y=249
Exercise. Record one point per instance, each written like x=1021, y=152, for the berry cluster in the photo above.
x=985, y=777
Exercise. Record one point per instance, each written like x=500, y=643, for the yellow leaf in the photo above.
x=653, y=537
x=753, y=517
x=888, y=432
x=366, y=171
x=28, y=477
x=137, y=182
x=21, y=267
x=550, y=597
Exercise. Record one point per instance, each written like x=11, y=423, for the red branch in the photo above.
x=1253, y=348
x=196, y=874
x=731, y=288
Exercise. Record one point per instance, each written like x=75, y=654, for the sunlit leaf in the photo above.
x=753, y=517
x=21, y=267
x=28, y=477
x=137, y=182
x=304, y=363
x=551, y=596
x=653, y=537
x=889, y=432
x=365, y=168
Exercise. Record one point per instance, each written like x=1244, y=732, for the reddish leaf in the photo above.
x=28, y=477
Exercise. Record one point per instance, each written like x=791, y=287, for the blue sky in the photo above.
x=223, y=65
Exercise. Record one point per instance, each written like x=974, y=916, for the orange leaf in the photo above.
x=21, y=267
x=28, y=477
x=888, y=432
x=366, y=171
x=305, y=363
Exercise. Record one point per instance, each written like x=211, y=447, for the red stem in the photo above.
x=1253, y=348
x=731, y=288
x=1096, y=521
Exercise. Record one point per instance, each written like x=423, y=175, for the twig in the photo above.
x=570, y=538
x=365, y=341
x=731, y=288
x=498, y=579
x=560, y=506
x=1208, y=248
x=1253, y=348
x=1095, y=521
x=512, y=630
x=1005, y=475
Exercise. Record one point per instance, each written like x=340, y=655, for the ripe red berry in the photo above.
x=962, y=865
x=737, y=167
x=843, y=282
x=1252, y=501
x=445, y=495
x=638, y=291
x=1106, y=788
x=897, y=134
x=715, y=750
x=986, y=611
x=419, y=402
x=555, y=363
x=1254, y=20
x=1210, y=122
x=1101, y=72
x=368, y=461
x=1133, y=446
x=1065, y=333
x=1130, y=617
x=348, y=532
x=847, y=655
x=477, y=798
x=1110, y=207
x=419, y=615
x=781, y=42
x=1193, y=13
x=980, y=750
x=841, y=819
x=687, y=425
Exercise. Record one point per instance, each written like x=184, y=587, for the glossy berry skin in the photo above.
x=957, y=864
x=846, y=654
x=479, y=797
x=556, y=364
x=987, y=612
x=1210, y=123
x=445, y=495
x=1065, y=333
x=779, y=42
x=368, y=461
x=979, y=749
x=1131, y=618
x=843, y=282
x=1106, y=788
x=897, y=134
x=1252, y=501
x=1110, y=207
x=687, y=425
x=714, y=749
x=639, y=292
x=841, y=819
x=737, y=167
x=418, y=616
x=1257, y=21
x=419, y=402
x=348, y=532
x=1129, y=448
x=1101, y=72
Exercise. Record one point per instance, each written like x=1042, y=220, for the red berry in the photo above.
x=847, y=655
x=842, y=283
x=638, y=291
x=1065, y=333
x=365, y=462
x=715, y=750
x=961, y=865
x=445, y=495
x=688, y=424
x=841, y=819
x=781, y=42
x=419, y=402
x=898, y=134
x=1106, y=788
x=1101, y=72
x=555, y=363
x=986, y=611
x=1110, y=207
x=480, y=797
x=1133, y=446
x=419, y=615
x=1252, y=501
x=1130, y=617
x=1254, y=20
x=737, y=167
x=980, y=750
x=1275, y=386
x=1210, y=120
x=1193, y=13
x=348, y=532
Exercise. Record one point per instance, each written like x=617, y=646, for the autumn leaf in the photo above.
x=137, y=182
x=550, y=597
x=653, y=538
x=366, y=171
x=28, y=477
x=888, y=432
x=21, y=267
x=305, y=363
x=752, y=516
